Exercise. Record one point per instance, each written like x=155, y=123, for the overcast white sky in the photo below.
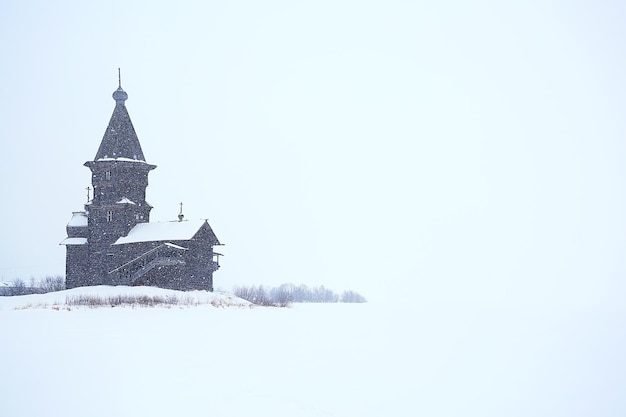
x=455, y=149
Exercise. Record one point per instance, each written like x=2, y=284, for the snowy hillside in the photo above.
x=308, y=360
x=101, y=294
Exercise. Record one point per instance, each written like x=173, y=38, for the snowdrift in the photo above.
x=121, y=296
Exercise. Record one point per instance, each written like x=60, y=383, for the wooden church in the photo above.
x=113, y=242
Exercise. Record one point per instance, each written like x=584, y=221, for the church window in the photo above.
x=107, y=175
x=109, y=216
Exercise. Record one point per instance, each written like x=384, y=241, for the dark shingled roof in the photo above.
x=120, y=139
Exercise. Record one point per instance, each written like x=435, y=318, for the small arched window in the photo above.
x=109, y=216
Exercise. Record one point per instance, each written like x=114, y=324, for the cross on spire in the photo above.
x=119, y=77
x=181, y=216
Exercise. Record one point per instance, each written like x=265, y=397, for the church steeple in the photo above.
x=119, y=179
x=120, y=139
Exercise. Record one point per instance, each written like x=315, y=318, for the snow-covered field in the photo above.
x=371, y=359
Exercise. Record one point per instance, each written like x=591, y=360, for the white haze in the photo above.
x=466, y=151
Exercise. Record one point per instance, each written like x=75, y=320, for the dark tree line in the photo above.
x=285, y=294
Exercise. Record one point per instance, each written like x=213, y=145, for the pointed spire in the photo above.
x=120, y=139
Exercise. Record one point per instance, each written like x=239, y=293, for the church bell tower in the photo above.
x=119, y=177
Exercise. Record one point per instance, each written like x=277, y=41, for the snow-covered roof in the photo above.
x=171, y=245
x=79, y=219
x=153, y=232
x=120, y=159
x=74, y=241
x=125, y=201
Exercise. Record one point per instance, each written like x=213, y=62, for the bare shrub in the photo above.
x=18, y=287
x=247, y=293
x=261, y=297
x=321, y=294
x=132, y=301
x=282, y=296
x=256, y=295
x=52, y=283
x=286, y=294
x=171, y=299
x=85, y=300
x=350, y=296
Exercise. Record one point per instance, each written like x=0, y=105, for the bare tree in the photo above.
x=350, y=296
x=18, y=287
x=52, y=283
x=282, y=296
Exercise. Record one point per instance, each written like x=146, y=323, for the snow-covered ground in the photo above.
x=67, y=299
x=369, y=359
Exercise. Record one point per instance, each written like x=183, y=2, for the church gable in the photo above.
x=206, y=233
